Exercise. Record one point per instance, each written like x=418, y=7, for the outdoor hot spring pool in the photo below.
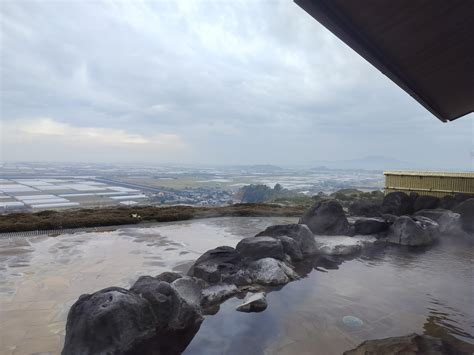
x=381, y=293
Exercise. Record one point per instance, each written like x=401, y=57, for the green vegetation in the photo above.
x=262, y=193
x=284, y=197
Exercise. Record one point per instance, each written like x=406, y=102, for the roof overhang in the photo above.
x=425, y=46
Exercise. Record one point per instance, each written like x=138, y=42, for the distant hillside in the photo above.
x=261, y=168
x=366, y=163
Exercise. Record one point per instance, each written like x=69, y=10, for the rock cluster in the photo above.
x=161, y=314
x=400, y=219
x=326, y=217
x=153, y=317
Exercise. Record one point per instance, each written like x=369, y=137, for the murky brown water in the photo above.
x=40, y=277
x=393, y=291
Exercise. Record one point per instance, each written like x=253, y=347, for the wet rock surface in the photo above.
x=397, y=203
x=466, y=211
x=298, y=232
x=262, y=247
x=412, y=344
x=413, y=231
x=160, y=314
x=449, y=222
x=253, y=302
x=291, y=247
x=269, y=271
x=113, y=320
x=370, y=225
x=425, y=202
x=218, y=293
x=365, y=208
x=326, y=218
x=217, y=265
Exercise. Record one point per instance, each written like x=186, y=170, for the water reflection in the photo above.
x=40, y=277
x=393, y=291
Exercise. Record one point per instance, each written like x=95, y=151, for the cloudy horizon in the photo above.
x=202, y=83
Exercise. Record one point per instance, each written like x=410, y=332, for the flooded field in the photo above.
x=381, y=293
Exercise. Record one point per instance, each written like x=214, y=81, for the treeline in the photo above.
x=277, y=194
x=262, y=193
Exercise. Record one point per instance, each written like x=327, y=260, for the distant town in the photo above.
x=45, y=186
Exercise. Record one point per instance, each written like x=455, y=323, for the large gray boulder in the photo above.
x=153, y=317
x=450, y=202
x=298, y=232
x=413, y=231
x=425, y=203
x=326, y=218
x=397, y=203
x=259, y=248
x=217, y=265
x=176, y=305
x=110, y=321
x=370, y=225
x=412, y=344
x=466, y=210
x=365, y=208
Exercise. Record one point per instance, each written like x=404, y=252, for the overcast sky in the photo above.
x=214, y=82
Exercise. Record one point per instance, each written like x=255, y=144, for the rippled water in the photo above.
x=40, y=277
x=391, y=291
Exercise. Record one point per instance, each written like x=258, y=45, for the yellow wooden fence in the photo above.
x=429, y=183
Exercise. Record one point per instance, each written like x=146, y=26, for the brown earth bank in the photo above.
x=82, y=218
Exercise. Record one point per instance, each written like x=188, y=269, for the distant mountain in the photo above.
x=367, y=163
x=260, y=168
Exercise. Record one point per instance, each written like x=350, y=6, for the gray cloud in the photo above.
x=231, y=82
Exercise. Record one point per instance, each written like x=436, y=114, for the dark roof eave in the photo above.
x=329, y=15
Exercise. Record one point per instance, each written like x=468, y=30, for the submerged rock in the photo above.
x=370, y=225
x=298, y=232
x=352, y=321
x=326, y=218
x=412, y=344
x=413, y=231
x=397, y=203
x=259, y=248
x=253, y=302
